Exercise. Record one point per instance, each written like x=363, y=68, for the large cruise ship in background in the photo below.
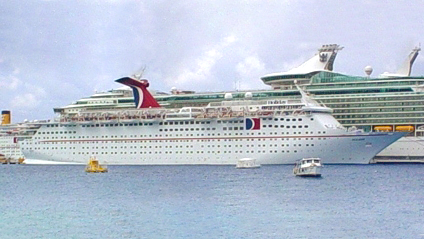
x=9, y=147
x=273, y=131
x=10, y=136
x=390, y=102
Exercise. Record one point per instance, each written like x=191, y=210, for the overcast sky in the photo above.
x=53, y=53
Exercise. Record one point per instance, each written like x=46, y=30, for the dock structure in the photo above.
x=9, y=160
x=386, y=160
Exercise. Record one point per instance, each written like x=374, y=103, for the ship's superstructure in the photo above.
x=276, y=131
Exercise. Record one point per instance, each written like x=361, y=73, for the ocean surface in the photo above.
x=349, y=201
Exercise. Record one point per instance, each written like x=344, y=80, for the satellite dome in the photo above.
x=228, y=96
x=248, y=95
x=368, y=70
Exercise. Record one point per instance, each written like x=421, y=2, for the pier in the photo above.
x=388, y=160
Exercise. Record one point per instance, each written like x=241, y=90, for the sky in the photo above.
x=53, y=53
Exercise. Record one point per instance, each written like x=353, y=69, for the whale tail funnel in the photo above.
x=142, y=97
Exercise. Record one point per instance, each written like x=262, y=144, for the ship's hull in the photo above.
x=346, y=149
x=207, y=142
x=408, y=148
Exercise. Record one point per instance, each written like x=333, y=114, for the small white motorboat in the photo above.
x=247, y=163
x=308, y=167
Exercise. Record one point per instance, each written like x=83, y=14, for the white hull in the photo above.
x=404, y=148
x=207, y=142
x=309, y=171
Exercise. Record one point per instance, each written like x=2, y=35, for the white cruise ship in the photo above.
x=390, y=102
x=9, y=147
x=278, y=131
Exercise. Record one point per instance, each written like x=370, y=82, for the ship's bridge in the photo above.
x=321, y=62
x=285, y=81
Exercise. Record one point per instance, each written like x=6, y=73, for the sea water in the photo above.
x=348, y=201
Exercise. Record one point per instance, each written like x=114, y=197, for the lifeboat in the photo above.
x=93, y=166
x=21, y=160
x=405, y=128
x=385, y=128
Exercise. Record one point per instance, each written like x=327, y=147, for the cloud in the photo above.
x=200, y=70
x=27, y=100
x=9, y=77
x=250, y=67
x=73, y=47
x=30, y=98
x=19, y=95
x=9, y=83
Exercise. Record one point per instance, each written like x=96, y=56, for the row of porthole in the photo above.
x=186, y=152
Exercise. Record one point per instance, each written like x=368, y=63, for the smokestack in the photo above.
x=5, y=115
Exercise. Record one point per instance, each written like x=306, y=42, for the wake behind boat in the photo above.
x=275, y=131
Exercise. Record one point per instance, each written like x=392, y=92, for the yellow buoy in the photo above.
x=93, y=166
